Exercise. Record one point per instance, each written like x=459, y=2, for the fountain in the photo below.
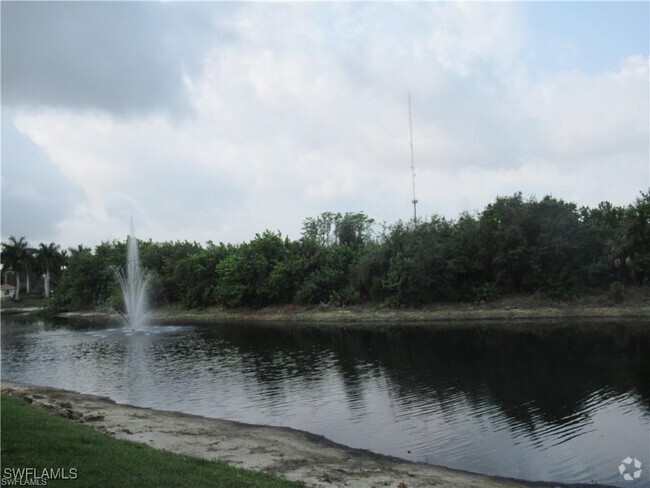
x=133, y=281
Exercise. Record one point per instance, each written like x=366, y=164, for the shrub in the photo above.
x=617, y=292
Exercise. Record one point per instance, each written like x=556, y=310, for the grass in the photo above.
x=34, y=438
x=519, y=307
x=17, y=307
x=24, y=302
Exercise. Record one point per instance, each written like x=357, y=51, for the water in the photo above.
x=564, y=406
x=133, y=282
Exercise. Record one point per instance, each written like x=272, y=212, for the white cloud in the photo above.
x=592, y=116
x=304, y=110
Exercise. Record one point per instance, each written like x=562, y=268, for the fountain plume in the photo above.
x=133, y=281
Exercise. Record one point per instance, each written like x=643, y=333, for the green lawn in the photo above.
x=26, y=301
x=37, y=439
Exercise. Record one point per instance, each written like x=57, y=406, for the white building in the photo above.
x=7, y=291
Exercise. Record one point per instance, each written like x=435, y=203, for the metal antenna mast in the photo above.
x=414, y=201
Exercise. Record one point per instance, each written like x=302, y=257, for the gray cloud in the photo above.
x=297, y=109
x=35, y=195
x=121, y=57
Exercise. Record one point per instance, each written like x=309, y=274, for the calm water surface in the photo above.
x=563, y=406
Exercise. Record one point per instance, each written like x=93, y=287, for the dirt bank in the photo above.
x=508, y=309
x=289, y=453
x=364, y=315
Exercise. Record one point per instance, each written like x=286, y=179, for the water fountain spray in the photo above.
x=133, y=281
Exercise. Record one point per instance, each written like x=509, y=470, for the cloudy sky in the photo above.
x=219, y=120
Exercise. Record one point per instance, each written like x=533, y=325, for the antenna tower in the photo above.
x=414, y=201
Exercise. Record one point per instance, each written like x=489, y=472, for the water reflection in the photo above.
x=565, y=405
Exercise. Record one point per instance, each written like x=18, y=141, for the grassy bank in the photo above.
x=377, y=316
x=32, y=438
x=28, y=304
x=517, y=308
x=25, y=301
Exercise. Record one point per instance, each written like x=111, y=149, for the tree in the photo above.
x=559, y=251
x=602, y=231
x=514, y=245
x=162, y=259
x=29, y=264
x=420, y=263
x=328, y=279
x=636, y=228
x=244, y=276
x=471, y=282
x=15, y=254
x=88, y=280
x=196, y=275
x=49, y=257
x=353, y=229
x=321, y=229
x=507, y=231
x=328, y=229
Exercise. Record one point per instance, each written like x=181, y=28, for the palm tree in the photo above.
x=29, y=263
x=14, y=256
x=75, y=252
x=49, y=257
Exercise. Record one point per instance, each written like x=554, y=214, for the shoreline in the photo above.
x=289, y=453
x=365, y=314
x=506, y=310
x=374, y=317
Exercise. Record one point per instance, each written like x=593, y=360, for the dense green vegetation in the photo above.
x=516, y=245
x=32, y=438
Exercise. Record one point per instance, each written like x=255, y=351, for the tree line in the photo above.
x=515, y=245
x=18, y=258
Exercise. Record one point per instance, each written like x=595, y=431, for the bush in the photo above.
x=617, y=292
x=486, y=292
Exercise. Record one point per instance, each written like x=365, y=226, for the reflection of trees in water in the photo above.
x=547, y=374
x=268, y=357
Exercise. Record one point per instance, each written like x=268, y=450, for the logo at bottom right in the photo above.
x=630, y=469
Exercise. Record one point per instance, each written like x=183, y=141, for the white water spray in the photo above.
x=133, y=281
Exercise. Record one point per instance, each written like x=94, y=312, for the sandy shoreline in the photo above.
x=289, y=453
x=380, y=318
x=513, y=312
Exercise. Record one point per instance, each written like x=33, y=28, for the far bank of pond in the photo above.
x=377, y=316
x=541, y=319
x=509, y=310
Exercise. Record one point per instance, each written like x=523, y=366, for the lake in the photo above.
x=553, y=402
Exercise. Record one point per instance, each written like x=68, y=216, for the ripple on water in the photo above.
x=538, y=409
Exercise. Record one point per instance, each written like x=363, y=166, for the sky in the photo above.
x=216, y=121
